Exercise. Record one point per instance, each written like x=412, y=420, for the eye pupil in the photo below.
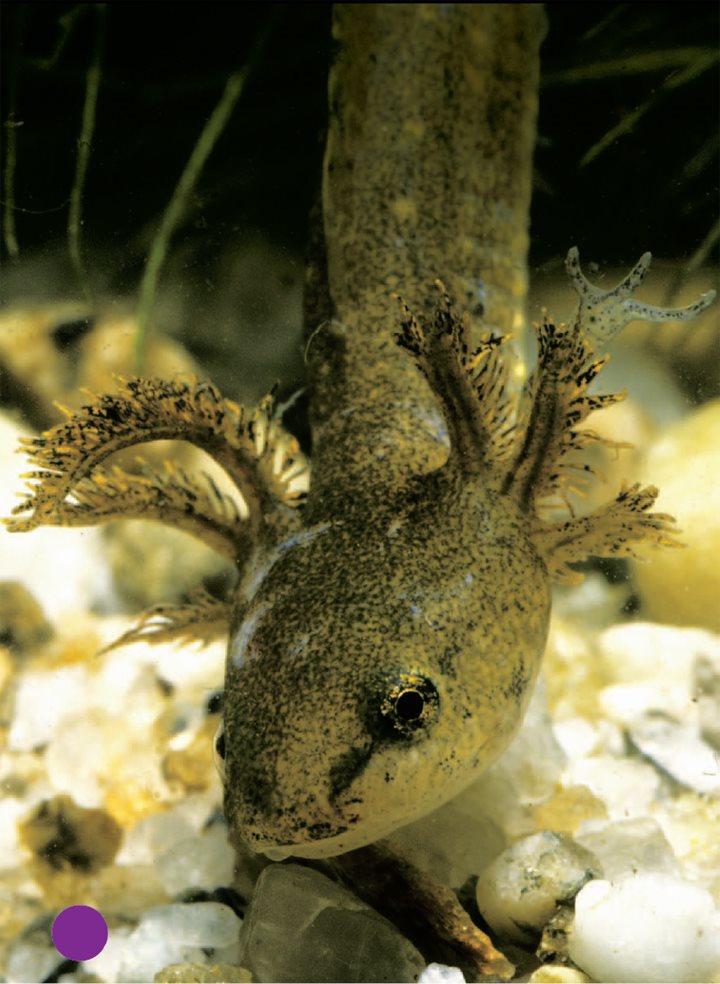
x=409, y=705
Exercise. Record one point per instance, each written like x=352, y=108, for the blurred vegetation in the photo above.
x=627, y=155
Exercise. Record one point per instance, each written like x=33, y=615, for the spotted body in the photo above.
x=391, y=609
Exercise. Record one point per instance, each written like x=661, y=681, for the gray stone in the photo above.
x=301, y=926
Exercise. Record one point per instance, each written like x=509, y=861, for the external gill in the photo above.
x=529, y=451
x=264, y=463
x=471, y=384
x=613, y=530
x=202, y=619
x=71, y=487
x=557, y=402
x=194, y=505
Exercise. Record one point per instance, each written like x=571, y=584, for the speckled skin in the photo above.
x=415, y=574
x=386, y=631
x=427, y=174
x=440, y=582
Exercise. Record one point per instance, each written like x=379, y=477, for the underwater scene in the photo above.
x=359, y=476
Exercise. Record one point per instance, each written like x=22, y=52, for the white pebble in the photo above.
x=580, y=738
x=66, y=571
x=30, y=961
x=106, y=965
x=647, y=927
x=170, y=934
x=203, y=861
x=678, y=749
x=204, y=924
x=42, y=699
x=142, y=957
x=109, y=753
x=634, y=652
x=627, y=787
x=11, y=812
x=153, y=834
x=518, y=893
x=625, y=847
x=436, y=973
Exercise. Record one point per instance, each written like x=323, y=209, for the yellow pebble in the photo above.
x=682, y=587
x=568, y=808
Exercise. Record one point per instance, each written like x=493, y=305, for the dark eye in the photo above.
x=219, y=750
x=67, y=333
x=214, y=703
x=409, y=705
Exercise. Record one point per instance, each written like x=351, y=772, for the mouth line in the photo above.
x=321, y=848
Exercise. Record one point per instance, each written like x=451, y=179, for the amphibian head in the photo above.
x=385, y=658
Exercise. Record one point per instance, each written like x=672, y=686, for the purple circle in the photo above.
x=79, y=932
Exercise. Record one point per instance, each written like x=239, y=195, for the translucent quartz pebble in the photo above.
x=106, y=965
x=626, y=846
x=202, y=861
x=635, y=652
x=647, y=927
x=301, y=926
x=200, y=924
x=626, y=786
x=41, y=700
x=679, y=750
x=32, y=957
x=436, y=973
x=517, y=894
x=153, y=834
x=171, y=934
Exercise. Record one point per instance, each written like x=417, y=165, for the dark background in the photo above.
x=164, y=67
